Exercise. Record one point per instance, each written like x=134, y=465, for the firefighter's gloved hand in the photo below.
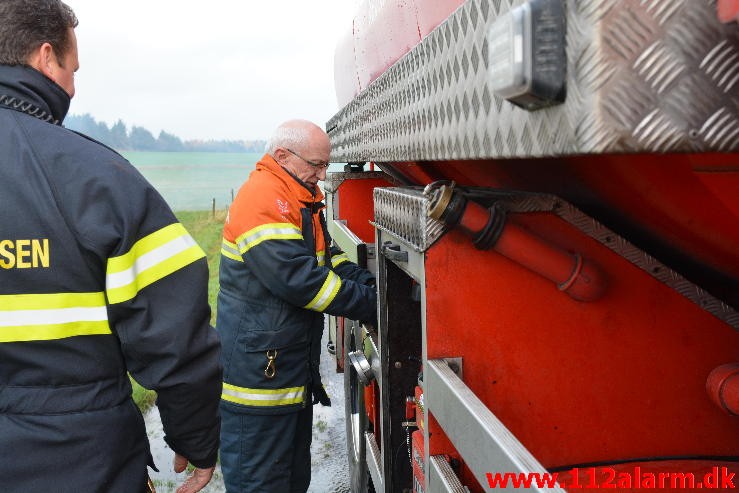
x=197, y=480
x=370, y=324
x=320, y=395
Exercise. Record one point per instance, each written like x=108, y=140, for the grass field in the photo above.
x=207, y=231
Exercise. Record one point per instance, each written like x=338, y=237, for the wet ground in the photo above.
x=328, y=450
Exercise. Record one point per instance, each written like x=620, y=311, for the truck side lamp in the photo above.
x=728, y=10
x=572, y=273
x=526, y=54
x=723, y=387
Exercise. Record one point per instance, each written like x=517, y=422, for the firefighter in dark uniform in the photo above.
x=278, y=277
x=97, y=279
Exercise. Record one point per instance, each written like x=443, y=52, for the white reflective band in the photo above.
x=149, y=260
x=230, y=250
x=56, y=316
x=262, y=397
x=339, y=259
x=326, y=294
x=276, y=231
x=265, y=397
x=45, y=317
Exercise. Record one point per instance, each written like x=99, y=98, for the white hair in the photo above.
x=290, y=135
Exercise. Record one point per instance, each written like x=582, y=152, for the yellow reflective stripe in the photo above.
x=50, y=301
x=339, y=259
x=262, y=397
x=321, y=257
x=272, y=231
x=145, y=245
x=28, y=333
x=326, y=294
x=149, y=260
x=41, y=317
x=231, y=251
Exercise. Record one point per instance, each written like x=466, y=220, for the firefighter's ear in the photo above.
x=44, y=60
x=280, y=155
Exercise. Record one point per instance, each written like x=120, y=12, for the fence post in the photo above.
x=214, y=207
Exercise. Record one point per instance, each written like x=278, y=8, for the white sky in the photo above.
x=224, y=69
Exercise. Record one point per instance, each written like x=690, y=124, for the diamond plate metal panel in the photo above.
x=402, y=212
x=335, y=179
x=642, y=76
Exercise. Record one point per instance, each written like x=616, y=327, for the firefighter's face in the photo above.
x=66, y=65
x=58, y=67
x=309, y=163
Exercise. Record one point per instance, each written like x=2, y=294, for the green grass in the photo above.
x=207, y=231
x=144, y=398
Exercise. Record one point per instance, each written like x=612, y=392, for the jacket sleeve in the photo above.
x=156, y=280
x=289, y=271
x=273, y=248
x=346, y=269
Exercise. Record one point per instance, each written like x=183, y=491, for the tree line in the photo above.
x=121, y=138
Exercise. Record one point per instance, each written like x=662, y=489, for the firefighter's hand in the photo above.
x=195, y=481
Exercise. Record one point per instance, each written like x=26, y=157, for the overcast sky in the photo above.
x=223, y=69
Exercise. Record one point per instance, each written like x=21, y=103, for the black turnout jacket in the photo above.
x=97, y=279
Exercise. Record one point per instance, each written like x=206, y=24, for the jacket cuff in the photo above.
x=203, y=463
x=206, y=463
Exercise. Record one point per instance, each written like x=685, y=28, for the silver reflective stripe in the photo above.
x=57, y=316
x=276, y=231
x=229, y=249
x=262, y=397
x=44, y=317
x=339, y=259
x=149, y=260
x=326, y=294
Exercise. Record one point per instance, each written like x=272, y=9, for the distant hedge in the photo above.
x=140, y=139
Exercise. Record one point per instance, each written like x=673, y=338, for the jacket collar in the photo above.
x=300, y=189
x=30, y=86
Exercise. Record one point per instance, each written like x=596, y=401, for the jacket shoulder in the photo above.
x=102, y=196
x=263, y=199
x=68, y=152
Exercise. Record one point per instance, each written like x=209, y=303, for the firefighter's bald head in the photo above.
x=303, y=148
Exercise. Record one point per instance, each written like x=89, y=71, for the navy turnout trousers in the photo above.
x=266, y=453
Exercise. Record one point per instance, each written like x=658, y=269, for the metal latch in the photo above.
x=393, y=252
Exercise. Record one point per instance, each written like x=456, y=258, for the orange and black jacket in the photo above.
x=278, y=277
x=98, y=279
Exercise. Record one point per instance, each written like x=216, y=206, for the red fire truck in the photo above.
x=548, y=191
